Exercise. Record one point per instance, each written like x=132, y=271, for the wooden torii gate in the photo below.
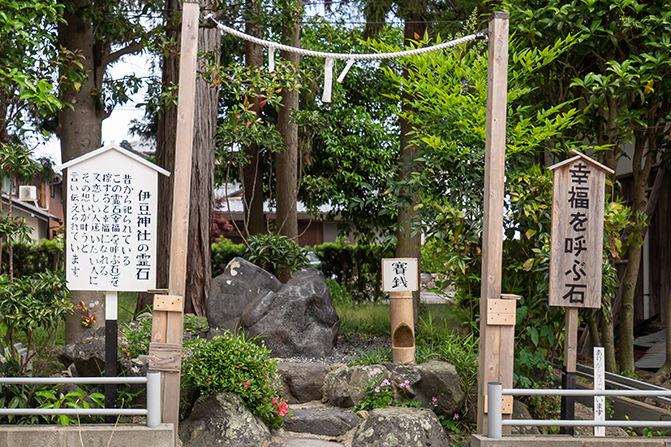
x=496, y=331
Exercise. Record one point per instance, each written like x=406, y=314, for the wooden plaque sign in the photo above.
x=577, y=232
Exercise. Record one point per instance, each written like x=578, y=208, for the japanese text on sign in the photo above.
x=111, y=225
x=578, y=199
x=577, y=232
x=399, y=275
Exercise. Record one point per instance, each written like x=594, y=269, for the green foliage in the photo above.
x=138, y=337
x=374, y=357
x=223, y=251
x=235, y=364
x=356, y=267
x=41, y=396
x=338, y=294
x=31, y=309
x=379, y=394
x=31, y=258
x=274, y=252
x=434, y=257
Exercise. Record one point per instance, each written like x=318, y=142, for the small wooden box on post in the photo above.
x=575, y=252
x=400, y=277
x=111, y=233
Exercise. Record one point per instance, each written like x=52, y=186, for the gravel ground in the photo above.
x=348, y=349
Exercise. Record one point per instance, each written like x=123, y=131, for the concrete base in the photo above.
x=568, y=441
x=125, y=435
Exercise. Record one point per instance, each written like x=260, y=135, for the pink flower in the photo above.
x=246, y=384
x=283, y=409
x=377, y=389
x=385, y=382
x=456, y=415
x=373, y=373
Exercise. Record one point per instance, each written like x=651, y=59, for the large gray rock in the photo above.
x=89, y=356
x=302, y=381
x=232, y=291
x=396, y=426
x=222, y=420
x=321, y=420
x=345, y=386
x=433, y=379
x=294, y=319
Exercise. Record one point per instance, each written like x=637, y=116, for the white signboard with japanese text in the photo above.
x=111, y=221
x=577, y=233
x=399, y=275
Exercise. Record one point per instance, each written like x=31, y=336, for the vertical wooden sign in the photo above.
x=577, y=232
x=575, y=252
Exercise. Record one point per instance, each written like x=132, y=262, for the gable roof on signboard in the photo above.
x=117, y=148
x=578, y=155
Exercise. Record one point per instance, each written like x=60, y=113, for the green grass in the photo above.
x=373, y=318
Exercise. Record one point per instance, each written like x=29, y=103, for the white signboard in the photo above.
x=111, y=221
x=399, y=275
x=599, y=384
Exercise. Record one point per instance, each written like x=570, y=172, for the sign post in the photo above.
x=575, y=252
x=400, y=277
x=111, y=233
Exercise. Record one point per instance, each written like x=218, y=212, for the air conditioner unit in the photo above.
x=28, y=193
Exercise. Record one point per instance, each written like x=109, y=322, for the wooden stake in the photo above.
x=496, y=342
x=569, y=373
x=181, y=197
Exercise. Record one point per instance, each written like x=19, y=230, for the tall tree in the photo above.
x=620, y=70
x=287, y=159
x=100, y=33
x=414, y=15
x=202, y=178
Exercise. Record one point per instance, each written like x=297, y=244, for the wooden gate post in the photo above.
x=496, y=341
x=180, y=209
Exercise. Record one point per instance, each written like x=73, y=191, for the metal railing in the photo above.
x=496, y=391
x=153, y=410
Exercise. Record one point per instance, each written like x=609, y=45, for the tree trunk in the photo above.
x=199, y=266
x=199, y=262
x=409, y=246
x=80, y=132
x=287, y=160
x=608, y=337
x=644, y=141
x=252, y=173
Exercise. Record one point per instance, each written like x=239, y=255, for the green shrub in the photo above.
x=31, y=309
x=434, y=256
x=357, y=268
x=223, y=251
x=232, y=363
x=274, y=252
x=30, y=258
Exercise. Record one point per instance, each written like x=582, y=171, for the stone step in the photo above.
x=320, y=419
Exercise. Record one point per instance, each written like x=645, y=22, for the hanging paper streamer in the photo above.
x=328, y=79
x=350, y=62
x=271, y=59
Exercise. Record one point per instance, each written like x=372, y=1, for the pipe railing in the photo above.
x=153, y=410
x=496, y=391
